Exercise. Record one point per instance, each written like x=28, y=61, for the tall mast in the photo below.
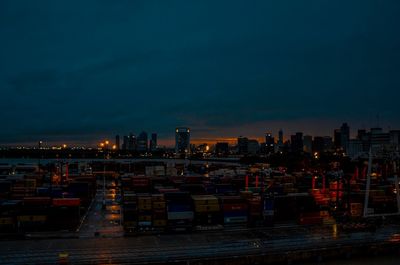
x=368, y=186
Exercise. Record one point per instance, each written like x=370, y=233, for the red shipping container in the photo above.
x=235, y=207
x=67, y=202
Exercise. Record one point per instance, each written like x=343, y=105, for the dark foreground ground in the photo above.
x=283, y=244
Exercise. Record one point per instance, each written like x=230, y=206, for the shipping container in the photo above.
x=187, y=215
x=71, y=202
x=207, y=208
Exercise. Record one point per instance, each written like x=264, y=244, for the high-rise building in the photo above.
x=354, y=148
x=378, y=138
x=280, y=139
x=328, y=143
x=131, y=142
x=269, y=143
x=318, y=144
x=344, y=136
x=242, y=145
x=142, y=142
x=364, y=137
x=337, y=139
x=117, y=142
x=253, y=147
x=153, y=142
x=125, y=143
x=297, y=142
x=222, y=149
x=182, y=140
x=395, y=139
x=308, y=144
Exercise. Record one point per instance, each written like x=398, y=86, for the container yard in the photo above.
x=58, y=196
x=34, y=201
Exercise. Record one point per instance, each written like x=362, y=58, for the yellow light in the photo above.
x=102, y=144
x=114, y=147
x=207, y=148
x=64, y=146
x=107, y=142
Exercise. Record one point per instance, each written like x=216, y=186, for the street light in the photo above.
x=40, y=154
x=104, y=145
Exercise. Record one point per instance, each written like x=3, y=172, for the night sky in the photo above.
x=80, y=71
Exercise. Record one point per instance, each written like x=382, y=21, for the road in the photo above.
x=103, y=222
x=183, y=246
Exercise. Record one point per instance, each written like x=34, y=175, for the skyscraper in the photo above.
x=297, y=142
x=308, y=144
x=142, y=142
x=280, y=140
x=117, y=142
x=337, y=139
x=242, y=145
x=222, y=149
x=269, y=143
x=131, y=142
x=182, y=140
x=253, y=147
x=153, y=142
x=125, y=143
x=344, y=136
x=318, y=144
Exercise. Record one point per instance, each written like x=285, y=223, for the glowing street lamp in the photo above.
x=104, y=144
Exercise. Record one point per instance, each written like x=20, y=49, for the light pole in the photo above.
x=40, y=154
x=104, y=145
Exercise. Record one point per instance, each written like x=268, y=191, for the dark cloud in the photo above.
x=89, y=69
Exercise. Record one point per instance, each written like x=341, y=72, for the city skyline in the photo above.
x=76, y=72
x=170, y=143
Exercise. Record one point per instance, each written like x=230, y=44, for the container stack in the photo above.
x=83, y=189
x=65, y=213
x=126, y=183
x=5, y=189
x=234, y=210
x=144, y=211
x=141, y=184
x=268, y=210
x=179, y=211
x=336, y=190
x=23, y=188
x=43, y=192
x=207, y=210
x=34, y=213
x=255, y=210
x=356, y=210
x=130, y=210
x=159, y=211
x=9, y=210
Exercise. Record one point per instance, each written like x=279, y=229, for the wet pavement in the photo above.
x=103, y=221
